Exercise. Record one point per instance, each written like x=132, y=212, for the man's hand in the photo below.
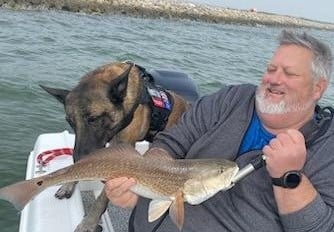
x=119, y=193
x=284, y=153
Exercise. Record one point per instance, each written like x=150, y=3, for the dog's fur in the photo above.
x=104, y=107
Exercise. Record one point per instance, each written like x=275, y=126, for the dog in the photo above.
x=111, y=104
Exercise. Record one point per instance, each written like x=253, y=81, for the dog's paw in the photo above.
x=65, y=191
x=83, y=227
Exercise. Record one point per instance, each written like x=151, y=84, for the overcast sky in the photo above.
x=322, y=10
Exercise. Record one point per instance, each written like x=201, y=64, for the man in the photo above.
x=295, y=192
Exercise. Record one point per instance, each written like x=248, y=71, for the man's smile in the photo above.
x=274, y=91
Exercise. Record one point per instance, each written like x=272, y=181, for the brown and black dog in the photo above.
x=110, y=105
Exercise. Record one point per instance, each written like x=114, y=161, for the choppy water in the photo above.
x=57, y=48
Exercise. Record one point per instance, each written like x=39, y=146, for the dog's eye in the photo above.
x=92, y=119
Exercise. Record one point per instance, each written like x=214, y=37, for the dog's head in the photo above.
x=101, y=105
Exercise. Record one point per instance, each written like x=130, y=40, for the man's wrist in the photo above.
x=290, y=179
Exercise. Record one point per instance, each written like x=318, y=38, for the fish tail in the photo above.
x=20, y=193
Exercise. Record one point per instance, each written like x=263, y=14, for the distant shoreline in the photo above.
x=168, y=9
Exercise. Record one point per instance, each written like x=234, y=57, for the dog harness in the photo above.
x=159, y=100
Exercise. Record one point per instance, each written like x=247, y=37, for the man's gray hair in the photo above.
x=322, y=55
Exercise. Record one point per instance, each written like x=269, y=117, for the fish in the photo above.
x=168, y=182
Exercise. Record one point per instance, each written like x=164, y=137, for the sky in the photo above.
x=320, y=10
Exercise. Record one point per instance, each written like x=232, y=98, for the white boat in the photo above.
x=45, y=213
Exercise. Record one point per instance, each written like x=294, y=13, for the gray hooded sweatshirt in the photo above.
x=214, y=128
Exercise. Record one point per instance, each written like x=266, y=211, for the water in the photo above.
x=57, y=48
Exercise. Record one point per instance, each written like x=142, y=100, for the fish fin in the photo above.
x=20, y=193
x=159, y=153
x=115, y=150
x=176, y=211
x=125, y=148
x=157, y=208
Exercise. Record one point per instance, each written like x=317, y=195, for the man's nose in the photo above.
x=276, y=77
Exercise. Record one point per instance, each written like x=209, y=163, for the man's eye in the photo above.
x=271, y=70
x=291, y=74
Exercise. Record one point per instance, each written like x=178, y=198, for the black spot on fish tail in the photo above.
x=39, y=183
x=20, y=193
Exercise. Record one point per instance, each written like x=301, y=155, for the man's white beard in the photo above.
x=265, y=105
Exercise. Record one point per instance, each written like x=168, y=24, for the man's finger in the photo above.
x=118, y=186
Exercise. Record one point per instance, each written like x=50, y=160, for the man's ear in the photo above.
x=320, y=88
x=59, y=94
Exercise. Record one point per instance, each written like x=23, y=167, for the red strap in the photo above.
x=45, y=157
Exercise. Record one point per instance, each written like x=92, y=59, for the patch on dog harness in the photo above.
x=159, y=98
x=161, y=104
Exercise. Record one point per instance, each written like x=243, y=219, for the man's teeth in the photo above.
x=275, y=91
x=107, y=145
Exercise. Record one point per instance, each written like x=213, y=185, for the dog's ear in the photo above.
x=117, y=90
x=59, y=94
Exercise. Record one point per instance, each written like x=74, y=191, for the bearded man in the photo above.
x=295, y=192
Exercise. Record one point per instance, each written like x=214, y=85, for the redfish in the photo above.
x=168, y=182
